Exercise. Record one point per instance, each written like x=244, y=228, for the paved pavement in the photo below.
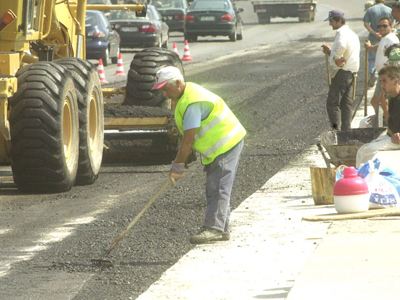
x=273, y=254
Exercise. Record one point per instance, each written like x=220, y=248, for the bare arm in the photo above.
x=370, y=30
x=185, y=148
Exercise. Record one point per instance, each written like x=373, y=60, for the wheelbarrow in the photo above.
x=340, y=147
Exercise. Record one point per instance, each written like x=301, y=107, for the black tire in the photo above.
x=233, y=36
x=191, y=37
x=91, y=118
x=141, y=76
x=44, y=126
x=264, y=18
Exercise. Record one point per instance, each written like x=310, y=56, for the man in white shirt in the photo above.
x=388, y=38
x=344, y=58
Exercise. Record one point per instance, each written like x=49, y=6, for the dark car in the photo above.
x=213, y=17
x=173, y=13
x=141, y=32
x=101, y=40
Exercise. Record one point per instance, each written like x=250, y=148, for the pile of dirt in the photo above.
x=113, y=110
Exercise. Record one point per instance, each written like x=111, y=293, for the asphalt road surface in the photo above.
x=274, y=80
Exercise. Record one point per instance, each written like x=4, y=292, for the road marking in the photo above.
x=56, y=235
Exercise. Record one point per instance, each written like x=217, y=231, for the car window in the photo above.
x=90, y=20
x=122, y=15
x=104, y=21
x=163, y=4
x=153, y=14
x=219, y=5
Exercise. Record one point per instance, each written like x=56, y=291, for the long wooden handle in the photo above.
x=167, y=183
x=328, y=73
x=384, y=212
x=366, y=82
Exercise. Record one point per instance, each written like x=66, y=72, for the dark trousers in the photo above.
x=339, y=104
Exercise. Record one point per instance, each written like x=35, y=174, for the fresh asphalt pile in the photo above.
x=279, y=95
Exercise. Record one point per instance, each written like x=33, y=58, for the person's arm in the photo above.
x=191, y=122
x=369, y=28
x=185, y=148
x=337, y=52
x=396, y=138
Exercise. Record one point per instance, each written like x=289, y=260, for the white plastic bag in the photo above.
x=383, y=184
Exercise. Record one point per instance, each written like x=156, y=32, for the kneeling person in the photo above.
x=390, y=83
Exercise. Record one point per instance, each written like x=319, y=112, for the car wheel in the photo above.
x=106, y=57
x=240, y=35
x=190, y=37
x=233, y=36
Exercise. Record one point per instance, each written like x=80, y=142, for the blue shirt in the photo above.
x=373, y=15
x=195, y=113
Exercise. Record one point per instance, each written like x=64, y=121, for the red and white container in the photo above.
x=350, y=194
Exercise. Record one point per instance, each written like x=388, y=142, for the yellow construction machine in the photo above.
x=51, y=101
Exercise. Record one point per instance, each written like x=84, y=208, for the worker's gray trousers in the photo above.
x=220, y=177
x=339, y=104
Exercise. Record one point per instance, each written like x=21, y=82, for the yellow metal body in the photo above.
x=58, y=25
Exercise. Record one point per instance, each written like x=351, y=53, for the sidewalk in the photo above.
x=273, y=254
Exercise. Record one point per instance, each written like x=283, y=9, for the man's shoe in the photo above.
x=209, y=235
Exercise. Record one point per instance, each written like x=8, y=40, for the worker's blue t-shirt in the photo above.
x=195, y=113
x=372, y=17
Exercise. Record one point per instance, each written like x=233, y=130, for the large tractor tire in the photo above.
x=141, y=76
x=44, y=129
x=91, y=118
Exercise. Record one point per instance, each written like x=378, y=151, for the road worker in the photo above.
x=371, y=20
x=344, y=59
x=209, y=127
x=390, y=83
x=388, y=38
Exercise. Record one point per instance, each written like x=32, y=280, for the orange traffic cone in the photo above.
x=120, y=66
x=186, y=52
x=175, y=48
x=100, y=71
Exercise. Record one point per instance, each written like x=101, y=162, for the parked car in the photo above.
x=213, y=17
x=101, y=40
x=141, y=32
x=173, y=13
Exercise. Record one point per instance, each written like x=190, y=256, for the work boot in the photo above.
x=209, y=235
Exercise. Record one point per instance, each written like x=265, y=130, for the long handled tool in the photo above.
x=366, y=82
x=328, y=73
x=103, y=262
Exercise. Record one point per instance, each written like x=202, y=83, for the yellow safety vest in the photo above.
x=219, y=132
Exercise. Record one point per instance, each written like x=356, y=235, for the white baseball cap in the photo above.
x=165, y=74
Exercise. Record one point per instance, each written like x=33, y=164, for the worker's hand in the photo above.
x=326, y=49
x=177, y=171
x=340, y=62
x=396, y=138
x=378, y=35
x=367, y=44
